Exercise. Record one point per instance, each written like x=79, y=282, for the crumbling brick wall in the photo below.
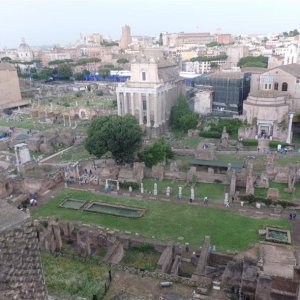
x=21, y=274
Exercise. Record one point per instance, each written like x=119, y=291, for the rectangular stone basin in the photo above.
x=278, y=235
x=72, y=203
x=115, y=209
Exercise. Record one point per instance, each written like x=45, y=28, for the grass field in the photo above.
x=136, y=258
x=71, y=277
x=168, y=221
x=213, y=191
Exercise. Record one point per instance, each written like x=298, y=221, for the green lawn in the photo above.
x=135, y=258
x=75, y=154
x=186, y=141
x=27, y=124
x=71, y=277
x=283, y=195
x=287, y=159
x=214, y=191
x=168, y=221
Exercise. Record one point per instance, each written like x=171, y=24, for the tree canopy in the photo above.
x=158, y=151
x=253, y=61
x=182, y=118
x=210, y=58
x=122, y=60
x=122, y=136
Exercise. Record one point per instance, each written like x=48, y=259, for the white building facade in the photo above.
x=150, y=93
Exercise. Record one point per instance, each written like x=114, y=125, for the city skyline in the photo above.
x=47, y=22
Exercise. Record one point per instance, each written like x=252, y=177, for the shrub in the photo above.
x=126, y=184
x=99, y=93
x=251, y=199
x=78, y=94
x=211, y=134
x=274, y=144
x=250, y=142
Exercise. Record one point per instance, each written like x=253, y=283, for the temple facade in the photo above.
x=150, y=93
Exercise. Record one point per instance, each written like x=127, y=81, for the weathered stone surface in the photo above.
x=21, y=275
x=273, y=194
x=158, y=172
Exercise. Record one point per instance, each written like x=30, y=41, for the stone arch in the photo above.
x=83, y=115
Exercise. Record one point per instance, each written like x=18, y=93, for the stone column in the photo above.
x=155, y=111
x=159, y=112
x=125, y=102
x=132, y=103
x=119, y=104
x=148, y=110
x=140, y=108
x=289, y=136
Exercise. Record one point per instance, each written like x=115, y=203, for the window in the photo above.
x=144, y=76
x=298, y=81
x=144, y=105
x=284, y=87
x=276, y=86
x=270, y=85
x=266, y=86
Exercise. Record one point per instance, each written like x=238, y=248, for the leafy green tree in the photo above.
x=64, y=71
x=104, y=72
x=158, y=151
x=182, y=118
x=160, y=41
x=253, y=61
x=78, y=76
x=122, y=136
x=212, y=44
x=285, y=34
x=122, y=61
x=210, y=58
x=6, y=59
x=46, y=73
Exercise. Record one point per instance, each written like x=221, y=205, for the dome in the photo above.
x=23, y=46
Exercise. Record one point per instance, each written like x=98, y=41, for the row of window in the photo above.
x=284, y=86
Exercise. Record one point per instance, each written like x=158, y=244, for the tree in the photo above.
x=122, y=61
x=158, y=151
x=122, y=136
x=64, y=71
x=222, y=56
x=160, y=41
x=182, y=118
x=46, y=73
x=253, y=61
x=6, y=58
x=79, y=76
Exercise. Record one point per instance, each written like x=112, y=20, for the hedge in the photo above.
x=250, y=142
x=251, y=199
x=273, y=144
x=211, y=134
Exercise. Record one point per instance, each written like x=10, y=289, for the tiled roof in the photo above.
x=293, y=69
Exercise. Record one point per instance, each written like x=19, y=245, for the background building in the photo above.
x=230, y=89
x=126, y=39
x=10, y=95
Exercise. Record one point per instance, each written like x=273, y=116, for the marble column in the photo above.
x=148, y=110
x=164, y=107
x=289, y=136
x=125, y=103
x=119, y=104
x=132, y=103
x=140, y=109
x=155, y=111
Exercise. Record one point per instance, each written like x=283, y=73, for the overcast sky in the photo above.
x=48, y=22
